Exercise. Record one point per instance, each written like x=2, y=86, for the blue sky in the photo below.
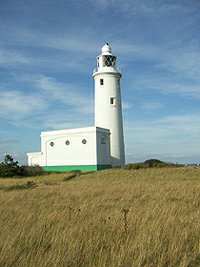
x=48, y=51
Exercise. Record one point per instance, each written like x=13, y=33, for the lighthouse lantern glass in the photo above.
x=109, y=61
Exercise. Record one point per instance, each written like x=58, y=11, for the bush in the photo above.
x=135, y=166
x=154, y=163
x=150, y=163
x=31, y=170
x=9, y=167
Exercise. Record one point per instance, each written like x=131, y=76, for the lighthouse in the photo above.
x=98, y=147
x=107, y=103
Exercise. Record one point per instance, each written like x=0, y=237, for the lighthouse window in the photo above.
x=112, y=101
x=103, y=141
x=52, y=144
x=98, y=62
x=101, y=81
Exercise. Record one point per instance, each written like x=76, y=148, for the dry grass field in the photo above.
x=114, y=218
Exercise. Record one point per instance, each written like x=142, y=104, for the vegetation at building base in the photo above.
x=32, y=170
x=115, y=217
x=151, y=163
x=11, y=168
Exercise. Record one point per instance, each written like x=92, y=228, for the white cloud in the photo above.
x=27, y=60
x=4, y=141
x=165, y=127
x=19, y=105
x=68, y=94
x=181, y=158
x=164, y=85
x=183, y=61
x=65, y=120
x=152, y=106
x=67, y=43
x=21, y=45
x=164, y=136
x=173, y=70
x=147, y=7
x=12, y=58
x=126, y=105
x=43, y=106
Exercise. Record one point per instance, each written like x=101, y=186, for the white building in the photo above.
x=91, y=148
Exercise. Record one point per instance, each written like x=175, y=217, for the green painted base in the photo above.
x=64, y=168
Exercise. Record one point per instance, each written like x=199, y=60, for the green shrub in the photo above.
x=150, y=163
x=31, y=170
x=135, y=166
x=9, y=167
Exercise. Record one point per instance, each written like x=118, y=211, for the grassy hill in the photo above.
x=116, y=217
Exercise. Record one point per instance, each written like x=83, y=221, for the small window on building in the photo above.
x=52, y=144
x=112, y=101
x=103, y=141
x=84, y=141
x=67, y=142
x=101, y=81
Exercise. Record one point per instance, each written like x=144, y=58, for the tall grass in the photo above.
x=81, y=222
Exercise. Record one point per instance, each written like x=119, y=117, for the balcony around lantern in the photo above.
x=107, y=69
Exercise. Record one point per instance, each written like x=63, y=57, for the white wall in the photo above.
x=35, y=158
x=109, y=115
x=93, y=152
x=76, y=153
x=103, y=147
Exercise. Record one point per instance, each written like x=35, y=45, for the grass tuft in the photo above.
x=27, y=185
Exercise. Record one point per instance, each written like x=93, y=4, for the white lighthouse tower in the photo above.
x=90, y=148
x=108, y=108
